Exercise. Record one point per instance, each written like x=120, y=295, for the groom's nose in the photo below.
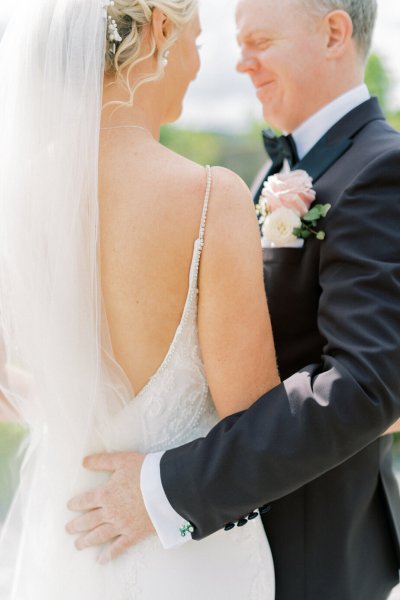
x=246, y=64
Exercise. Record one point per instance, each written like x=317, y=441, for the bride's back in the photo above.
x=150, y=210
x=151, y=202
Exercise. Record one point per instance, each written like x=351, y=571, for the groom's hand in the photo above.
x=114, y=512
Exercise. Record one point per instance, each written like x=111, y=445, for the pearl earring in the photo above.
x=165, y=58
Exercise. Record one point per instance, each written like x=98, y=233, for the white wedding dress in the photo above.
x=174, y=408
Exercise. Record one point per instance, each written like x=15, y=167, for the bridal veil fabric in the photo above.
x=60, y=377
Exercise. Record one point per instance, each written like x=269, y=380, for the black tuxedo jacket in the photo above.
x=312, y=447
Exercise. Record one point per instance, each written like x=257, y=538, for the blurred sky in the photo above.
x=222, y=99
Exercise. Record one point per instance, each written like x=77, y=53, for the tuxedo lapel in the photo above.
x=339, y=139
x=322, y=156
x=335, y=142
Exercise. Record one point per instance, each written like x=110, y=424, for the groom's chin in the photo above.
x=275, y=119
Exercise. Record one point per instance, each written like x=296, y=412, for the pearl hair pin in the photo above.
x=113, y=35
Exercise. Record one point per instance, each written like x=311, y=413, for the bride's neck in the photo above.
x=145, y=112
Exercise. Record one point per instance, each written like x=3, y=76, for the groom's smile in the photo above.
x=263, y=90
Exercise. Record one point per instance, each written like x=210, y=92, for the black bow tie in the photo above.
x=279, y=149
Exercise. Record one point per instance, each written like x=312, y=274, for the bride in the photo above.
x=131, y=292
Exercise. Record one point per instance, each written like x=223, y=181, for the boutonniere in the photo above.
x=284, y=211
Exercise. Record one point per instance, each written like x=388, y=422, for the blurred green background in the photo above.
x=12, y=436
x=245, y=155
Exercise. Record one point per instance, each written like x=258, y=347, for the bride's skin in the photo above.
x=150, y=209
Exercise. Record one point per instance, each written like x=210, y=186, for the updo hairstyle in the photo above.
x=131, y=17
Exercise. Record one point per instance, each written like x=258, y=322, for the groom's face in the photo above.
x=282, y=50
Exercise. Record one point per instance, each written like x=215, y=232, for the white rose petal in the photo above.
x=278, y=227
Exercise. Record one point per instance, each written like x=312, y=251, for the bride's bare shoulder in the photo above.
x=232, y=222
x=171, y=185
x=231, y=206
x=176, y=171
x=228, y=192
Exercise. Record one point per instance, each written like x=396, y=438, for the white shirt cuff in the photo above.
x=165, y=519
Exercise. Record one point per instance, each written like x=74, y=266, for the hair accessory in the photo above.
x=113, y=35
x=165, y=57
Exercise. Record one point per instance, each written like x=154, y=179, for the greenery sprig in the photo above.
x=309, y=222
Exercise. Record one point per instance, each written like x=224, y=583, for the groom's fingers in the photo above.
x=117, y=548
x=97, y=537
x=86, y=522
x=104, y=462
x=87, y=501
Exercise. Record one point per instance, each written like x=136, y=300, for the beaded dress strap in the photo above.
x=205, y=207
x=199, y=245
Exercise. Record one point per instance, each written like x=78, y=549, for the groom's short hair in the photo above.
x=362, y=12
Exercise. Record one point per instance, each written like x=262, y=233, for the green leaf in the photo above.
x=318, y=211
x=305, y=234
x=312, y=215
x=324, y=209
x=321, y=235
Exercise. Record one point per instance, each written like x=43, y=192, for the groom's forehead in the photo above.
x=258, y=16
x=266, y=10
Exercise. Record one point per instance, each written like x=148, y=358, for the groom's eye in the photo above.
x=262, y=44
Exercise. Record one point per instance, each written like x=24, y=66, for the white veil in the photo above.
x=58, y=373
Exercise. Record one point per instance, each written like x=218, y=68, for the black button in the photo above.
x=265, y=509
x=242, y=522
x=252, y=515
x=229, y=526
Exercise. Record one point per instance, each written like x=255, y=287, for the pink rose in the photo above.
x=291, y=190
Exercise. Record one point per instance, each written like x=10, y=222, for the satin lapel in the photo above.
x=339, y=139
x=322, y=156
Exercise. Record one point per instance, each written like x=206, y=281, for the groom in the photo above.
x=311, y=453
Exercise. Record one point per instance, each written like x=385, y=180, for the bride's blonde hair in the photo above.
x=131, y=17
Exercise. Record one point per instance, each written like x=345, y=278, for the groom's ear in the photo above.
x=161, y=27
x=338, y=28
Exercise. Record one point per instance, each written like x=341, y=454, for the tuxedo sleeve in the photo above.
x=327, y=412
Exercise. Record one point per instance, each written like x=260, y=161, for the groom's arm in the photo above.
x=329, y=411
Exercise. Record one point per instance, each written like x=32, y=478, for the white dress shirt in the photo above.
x=312, y=130
x=165, y=519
